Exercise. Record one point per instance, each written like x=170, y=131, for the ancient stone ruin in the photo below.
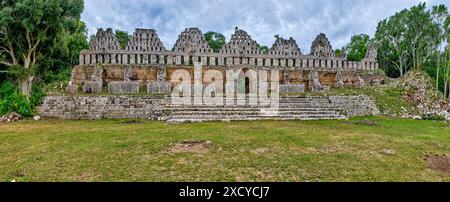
x=146, y=67
x=152, y=65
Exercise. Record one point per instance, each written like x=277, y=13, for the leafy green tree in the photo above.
x=123, y=38
x=214, y=40
x=407, y=39
x=29, y=29
x=440, y=15
x=337, y=52
x=391, y=43
x=357, y=48
x=264, y=49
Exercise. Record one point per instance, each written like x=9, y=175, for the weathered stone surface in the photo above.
x=315, y=85
x=150, y=61
x=11, y=117
x=145, y=40
x=159, y=87
x=98, y=107
x=123, y=87
x=112, y=107
x=285, y=47
x=72, y=89
x=360, y=82
x=322, y=47
x=292, y=88
x=93, y=87
x=104, y=40
x=191, y=40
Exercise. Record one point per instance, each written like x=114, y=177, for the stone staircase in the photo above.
x=292, y=108
x=161, y=108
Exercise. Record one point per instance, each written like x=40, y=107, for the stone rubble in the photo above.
x=11, y=117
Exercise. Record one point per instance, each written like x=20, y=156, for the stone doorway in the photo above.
x=247, y=86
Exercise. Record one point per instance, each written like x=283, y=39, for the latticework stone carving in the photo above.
x=104, y=40
x=191, y=40
x=241, y=43
x=321, y=47
x=145, y=40
x=285, y=47
x=371, y=53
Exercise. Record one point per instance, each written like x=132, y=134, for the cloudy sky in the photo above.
x=262, y=19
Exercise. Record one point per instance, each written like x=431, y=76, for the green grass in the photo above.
x=109, y=150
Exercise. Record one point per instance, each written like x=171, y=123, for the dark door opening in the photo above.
x=247, y=86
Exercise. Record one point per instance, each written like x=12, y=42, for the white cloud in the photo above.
x=262, y=19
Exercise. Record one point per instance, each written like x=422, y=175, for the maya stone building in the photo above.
x=145, y=65
x=134, y=81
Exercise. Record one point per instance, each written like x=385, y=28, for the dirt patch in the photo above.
x=260, y=150
x=439, y=163
x=130, y=122
x=363, y=122
x=331, y=149
x=191, y=146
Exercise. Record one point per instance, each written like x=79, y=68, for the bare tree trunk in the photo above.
x=401, y=68
x=437, y=71
x=26, y=86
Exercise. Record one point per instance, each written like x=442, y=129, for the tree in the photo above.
x=264, y=49
x=337, y=53
x=391, y=41
x=357, y=48
x=28, y=29
x=439, y=14
x=214, y=40
x=407, y=39
x=123, y=38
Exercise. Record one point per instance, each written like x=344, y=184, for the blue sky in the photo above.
x=262, y=19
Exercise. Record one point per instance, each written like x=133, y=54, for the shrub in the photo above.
x=12, y=100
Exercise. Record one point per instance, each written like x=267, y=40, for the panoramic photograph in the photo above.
x=254, y=91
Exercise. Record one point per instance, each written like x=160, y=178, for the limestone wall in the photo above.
x=147, y=73
x=98, y=107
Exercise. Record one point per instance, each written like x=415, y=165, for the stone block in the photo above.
x=292, y=88
x=123, y=87
x=72, y=89
x=158, y=87
x=93, y=87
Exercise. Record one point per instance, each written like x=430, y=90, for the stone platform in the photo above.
x=160, y=108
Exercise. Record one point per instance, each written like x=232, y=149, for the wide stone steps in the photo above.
x=307, y=108
x=252, y=113
x=191, y=118
x=162, y=108
x=249, y=109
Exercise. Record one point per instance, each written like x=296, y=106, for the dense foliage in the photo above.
x=357, y=48
x=40, y=41
x=215, y=40
x=13, y=100
x=123, y=38
x=35, y=36
x=415, y=39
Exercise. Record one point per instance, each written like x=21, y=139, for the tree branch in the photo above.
x=6, y=63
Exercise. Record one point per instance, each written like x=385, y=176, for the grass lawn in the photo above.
x=376, y=149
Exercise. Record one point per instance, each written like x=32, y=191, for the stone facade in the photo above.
x=152, y=64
